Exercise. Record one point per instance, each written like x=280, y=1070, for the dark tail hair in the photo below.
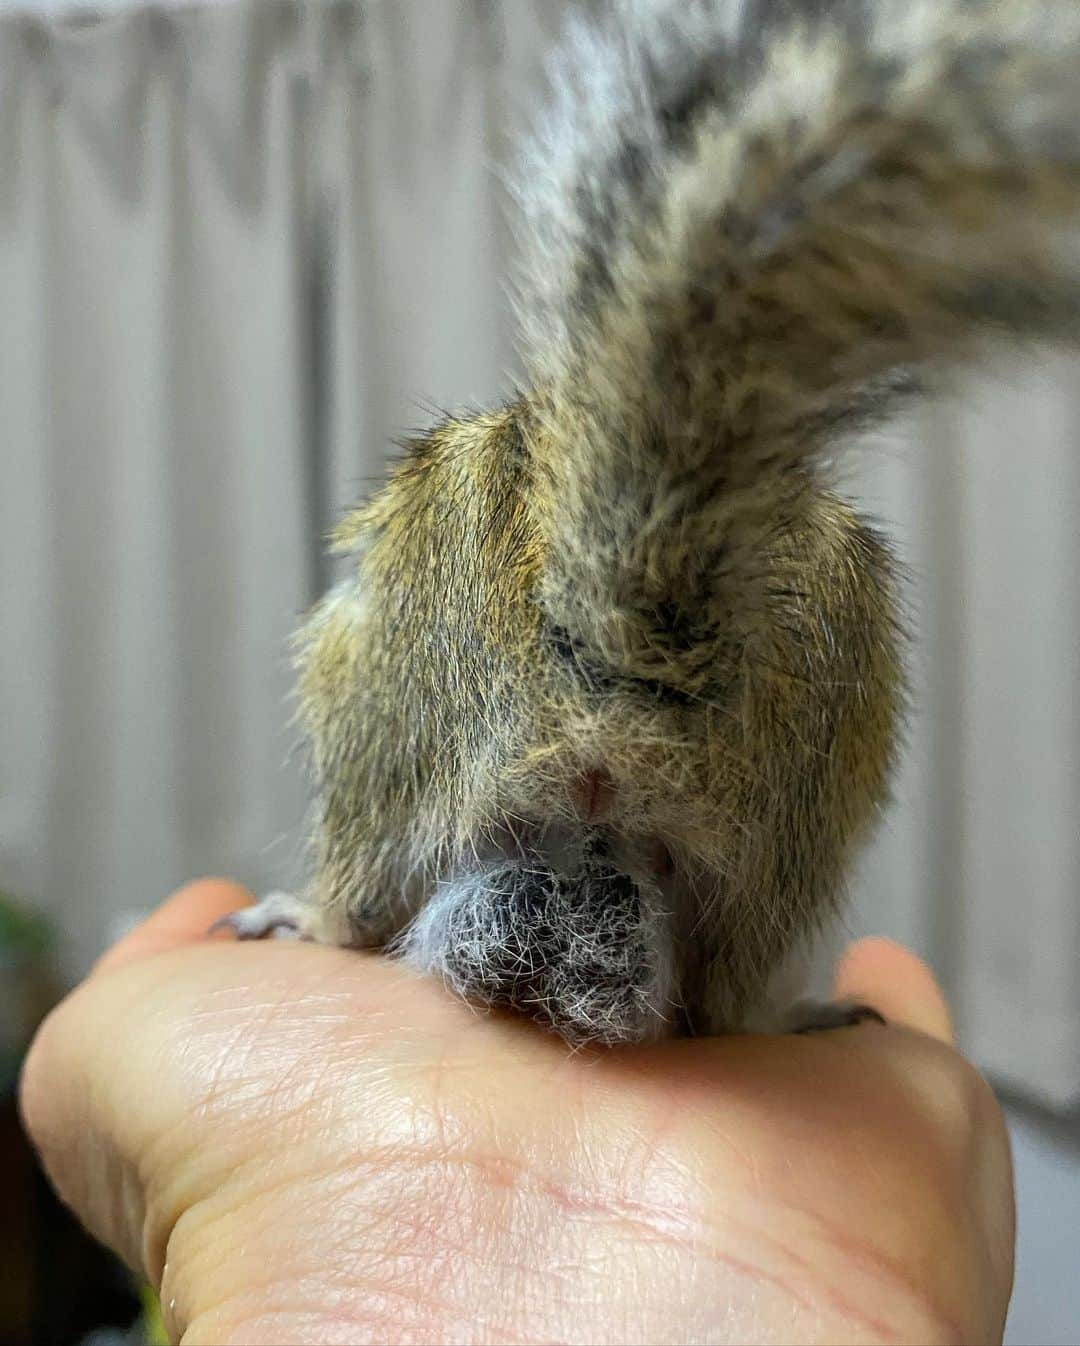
x=751, y=227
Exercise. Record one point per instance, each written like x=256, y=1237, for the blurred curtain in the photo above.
x=977, y=865
x=242, y=248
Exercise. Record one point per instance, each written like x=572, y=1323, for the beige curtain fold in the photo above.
x=242, y=248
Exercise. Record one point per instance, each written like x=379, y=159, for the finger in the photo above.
x=899, y=985
x=183, y=918
x=93, y=1094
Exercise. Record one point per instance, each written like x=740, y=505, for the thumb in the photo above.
x=184, y=918
x=899, y=985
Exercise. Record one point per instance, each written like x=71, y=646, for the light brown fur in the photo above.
x=764, y=776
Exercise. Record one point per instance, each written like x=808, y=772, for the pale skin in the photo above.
x=311, y=1145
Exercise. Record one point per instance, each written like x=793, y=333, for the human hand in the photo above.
x=311, y=1145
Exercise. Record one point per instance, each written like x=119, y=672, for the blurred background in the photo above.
x=244, y=246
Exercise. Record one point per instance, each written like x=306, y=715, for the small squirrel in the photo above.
x=615, y=687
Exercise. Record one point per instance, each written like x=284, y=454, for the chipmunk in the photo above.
x=614, y=689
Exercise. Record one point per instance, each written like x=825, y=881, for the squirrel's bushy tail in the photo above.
x=749, y=227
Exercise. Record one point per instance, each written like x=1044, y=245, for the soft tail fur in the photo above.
x=750, y=227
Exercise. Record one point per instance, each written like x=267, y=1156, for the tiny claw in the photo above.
x=276, y=916
x=826, y=1017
